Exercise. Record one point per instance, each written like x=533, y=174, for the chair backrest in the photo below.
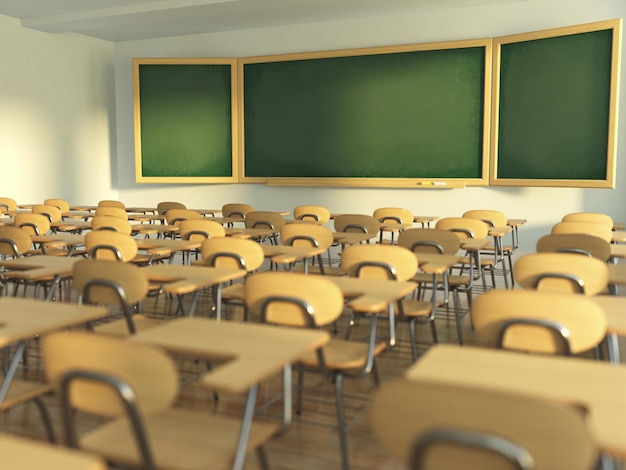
x=175, y=216
x=306, y=235
x=539, y=322
x=265, y=219
x=361, y=223
x=562, y=272
x=199, y=229
x=464, y=227
x=110, y=222
x=111, y=211
x=492, y=217
x=14, y=241
x=236, y=210
x=318, y=214
x=429, y=240
x=590, y=228
x=235, y=253
x=52, y=212
x=60, y=203
x=150, y=372
x=596, y=217
x=8, y=204
x=433, y=425
x=293, y=299
x=391, y=215
x=575, y=243
x=164, y=206
x=379, y=262
x=111, y=203
x=33, y=224
x=110, y=245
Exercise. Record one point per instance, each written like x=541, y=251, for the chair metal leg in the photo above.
x=47, y=421
x=341, y=425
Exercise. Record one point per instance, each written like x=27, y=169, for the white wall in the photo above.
x=56, y=115
x=541, y=206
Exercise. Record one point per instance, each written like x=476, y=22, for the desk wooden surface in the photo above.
x=251, y=352
x=352, y=238
x=180, y=279
x=19, y=453
x=598, y=386
x=371, y=295
x=290, y=254
x=38, y=267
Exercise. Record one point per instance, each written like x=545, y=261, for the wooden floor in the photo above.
x=311, y=441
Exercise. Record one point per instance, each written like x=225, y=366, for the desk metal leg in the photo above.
x=246, y=424
x=8, y=378
x=612, y=346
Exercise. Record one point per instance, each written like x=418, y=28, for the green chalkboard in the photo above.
x=556, y=122
x=184, y=121
x=372, y=117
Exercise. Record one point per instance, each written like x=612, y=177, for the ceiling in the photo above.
x=125, y=20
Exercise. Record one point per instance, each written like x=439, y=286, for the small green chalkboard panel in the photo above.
x=184, y=114
x=556, y=122
x=396, y=115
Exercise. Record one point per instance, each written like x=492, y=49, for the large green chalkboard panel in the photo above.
x=184, y=115
x=555, y=107
x=367, y=118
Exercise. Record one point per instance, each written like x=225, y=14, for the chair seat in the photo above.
x=233, y=292
x=180, y=439
x=343, y=355
x=120, y=328
x=417, y=308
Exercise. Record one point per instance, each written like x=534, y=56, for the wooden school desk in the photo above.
x=597, y=386
x=251, y=353
x=22, y=319
x=40, y=269
x=286, y=254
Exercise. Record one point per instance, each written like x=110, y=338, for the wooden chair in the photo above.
x=590, y=228
x=114, y=284
x=117, y=246
x=110, y=222
x=539, y=321
x=164, y=206
x=111, y=203
x=236, y=211
x=62, y=204
x=432, y=425
x=359, y=223
x=135, y=387
x=393, y=216
x=35, y=224
x=53, y=213
x=438, y=241
x=497, y=219
x=234, y=253
x=311, y=235
x=112, y=211
x=7, y=204
x=595, y=217
x=580, y=243
x=14, y=243
x=465, y=227
x=273, y=221
x=317, y=214
x=391, y=262
x=199, y=229
x=294, y=300
x=175, y=216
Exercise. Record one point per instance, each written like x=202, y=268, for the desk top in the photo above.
x=38, y=267
x=352, y=238
x=181, y=279
x=23, y=318
x=290, y=254
x=252, y=352
x=371, y=295
x=599, y=386
x=20, y=453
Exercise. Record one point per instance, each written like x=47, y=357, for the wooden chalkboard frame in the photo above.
x=507, y=154
x=227, y=159
x=413, y=182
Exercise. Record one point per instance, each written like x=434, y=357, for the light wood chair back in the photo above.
x=111, y=203
x=595, y=217
x=375, y=261
x=492, y=217
x=60, y=203
x=236, y=211
x=590, y=228
x=391, y=215
x=539, y=322
x=293, y=299
x=175, y=216
x=7, y=204
x=234, y=253
x=562, y=272
x=318, y=214
x=433, y=425
x=32, y=223
x=110, y=222
x=429, y=240
x=112, y=212
x=360, y=223
x=110, y=245
x=464, y=227
x=164, y=206
x=580, y=243
x=199, y=229
x=306, y=235
x=265, y=219
x=14, y=241
x=52, y=212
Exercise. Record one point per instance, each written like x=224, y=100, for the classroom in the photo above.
x=67, y=115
